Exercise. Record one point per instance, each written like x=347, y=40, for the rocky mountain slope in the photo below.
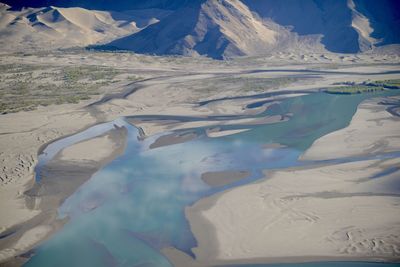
x=213, y=28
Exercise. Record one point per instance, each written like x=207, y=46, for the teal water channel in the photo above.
x=132, y=208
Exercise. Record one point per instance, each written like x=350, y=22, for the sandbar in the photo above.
x=221, y=178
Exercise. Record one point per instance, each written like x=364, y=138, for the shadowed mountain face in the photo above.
x=330, y=18
x=343, y=26
x=216, y=29
x=384, y=18
x=341, y=22
x=213, y=28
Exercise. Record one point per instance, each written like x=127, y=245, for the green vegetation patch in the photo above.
x=365, y=87
x=25, y=87
x=355, y=89
x=88, y=73
x=390, y=84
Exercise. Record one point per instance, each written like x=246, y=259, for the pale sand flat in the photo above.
x=83, y=151
x=372, y=130
x=331, y=211
x=225, y=133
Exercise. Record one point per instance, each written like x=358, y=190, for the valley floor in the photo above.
x=283, y=210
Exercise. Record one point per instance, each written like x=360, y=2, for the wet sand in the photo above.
x=174, y=138
x=222, y=178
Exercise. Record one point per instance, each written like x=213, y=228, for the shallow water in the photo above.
x=128, y=211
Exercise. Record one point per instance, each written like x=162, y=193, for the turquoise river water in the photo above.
x=131, y=209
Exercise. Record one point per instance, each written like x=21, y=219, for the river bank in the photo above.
x=335, y=212
x=59, y=178
x=172, y=92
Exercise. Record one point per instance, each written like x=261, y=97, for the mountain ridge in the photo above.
x=214, y=28
x=54, y=27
